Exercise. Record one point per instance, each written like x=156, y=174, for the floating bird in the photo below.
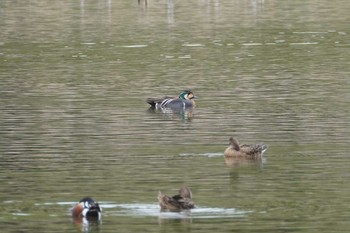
x=181, y=201
x=235, y=150
x=183, y=101
x=87, y=208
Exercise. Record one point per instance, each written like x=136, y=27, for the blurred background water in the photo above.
x=74, y=76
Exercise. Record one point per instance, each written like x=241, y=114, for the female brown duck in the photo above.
x=235, y=150
x=181, y=201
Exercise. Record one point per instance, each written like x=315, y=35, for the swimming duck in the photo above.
x=181, y=201
x=88, y=208
x=236, y=150
x=184, y=100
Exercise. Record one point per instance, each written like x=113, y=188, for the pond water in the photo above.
x=74, y=77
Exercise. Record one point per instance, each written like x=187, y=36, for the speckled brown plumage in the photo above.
x=254, y=151
x=181, y=201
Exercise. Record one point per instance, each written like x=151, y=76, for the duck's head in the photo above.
x=187, y=95
x=90, y=207
x=233, y=142
x=185, y=192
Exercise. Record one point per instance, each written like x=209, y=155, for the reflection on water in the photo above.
x=153, y=210
x=87, y=225
x=173, y=114
x=238, y=162
x=73, y=80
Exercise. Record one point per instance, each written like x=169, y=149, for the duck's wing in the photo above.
x=168, y=203
x=77, y=210
x=187, y=204
x=174, y=103
x=253, y=150
x=156, y=100
x=183, y=202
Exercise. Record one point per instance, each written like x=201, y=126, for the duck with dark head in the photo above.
x=184, y=100
x=87, y=208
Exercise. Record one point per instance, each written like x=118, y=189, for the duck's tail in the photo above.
x=262, y=148
x=160, y=195
x=163, y=201
x=152, y=101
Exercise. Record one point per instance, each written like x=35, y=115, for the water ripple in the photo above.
x=144, y=210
